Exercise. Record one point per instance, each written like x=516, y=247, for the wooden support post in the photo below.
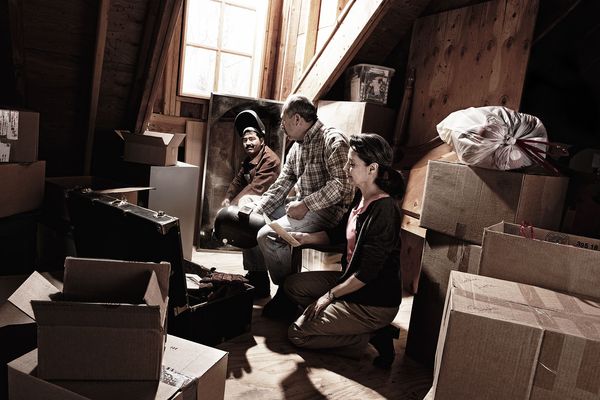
x=15, y=11
x=101, y=28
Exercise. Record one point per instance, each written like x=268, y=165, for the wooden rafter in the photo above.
x=101, y=29
x=160, y=22
x=15, y=11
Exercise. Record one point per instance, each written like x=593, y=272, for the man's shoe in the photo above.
x=383, y=341
x=281, y=308
x=261, y=282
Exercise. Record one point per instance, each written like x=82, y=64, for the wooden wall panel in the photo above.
x=472, y=56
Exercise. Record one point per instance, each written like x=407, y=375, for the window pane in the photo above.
x=203, y=22
x=235, y=74
x=239, y=26
x=199, y=71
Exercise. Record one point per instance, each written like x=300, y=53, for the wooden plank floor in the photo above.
x=263, y=365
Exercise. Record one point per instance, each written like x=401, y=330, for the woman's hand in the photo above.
x=317, y=308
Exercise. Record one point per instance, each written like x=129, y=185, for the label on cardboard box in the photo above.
x=4, y=152
x=9, y=124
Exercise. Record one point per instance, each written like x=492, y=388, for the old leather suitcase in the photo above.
x=105, y=227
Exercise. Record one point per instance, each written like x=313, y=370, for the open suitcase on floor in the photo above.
x=106, y=227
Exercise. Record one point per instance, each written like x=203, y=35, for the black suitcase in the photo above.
x=105, y=227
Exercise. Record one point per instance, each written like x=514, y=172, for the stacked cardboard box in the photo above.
x=22, y=177
x=506, y=340
x=458, y=203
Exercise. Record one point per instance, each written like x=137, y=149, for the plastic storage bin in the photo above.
x=370, y=83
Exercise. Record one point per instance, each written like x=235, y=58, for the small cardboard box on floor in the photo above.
x=189, y=371
x=552, y=260
x=19, y=132
x=441, y=255
x=153, y=148
x=107, y=324
x=460, y=200
x=505, y=340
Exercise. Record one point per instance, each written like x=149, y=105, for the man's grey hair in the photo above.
x=301, y=105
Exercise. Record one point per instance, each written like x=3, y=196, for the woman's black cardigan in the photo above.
x=376, y=257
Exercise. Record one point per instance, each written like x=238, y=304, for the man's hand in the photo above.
x=225, y=203
x=296, y=209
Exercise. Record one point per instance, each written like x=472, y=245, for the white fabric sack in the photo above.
x=487, y=136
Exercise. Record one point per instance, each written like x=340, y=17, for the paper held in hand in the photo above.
x=285, y=235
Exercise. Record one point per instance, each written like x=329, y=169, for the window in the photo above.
x=223, y=47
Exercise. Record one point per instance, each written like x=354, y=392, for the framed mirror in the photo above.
x=225, y=153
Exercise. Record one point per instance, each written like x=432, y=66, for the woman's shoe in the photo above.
x=383, y=341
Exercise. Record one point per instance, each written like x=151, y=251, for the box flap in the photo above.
x=36, y=287
x=106, y=315
x=153, y=138
x=87, y=278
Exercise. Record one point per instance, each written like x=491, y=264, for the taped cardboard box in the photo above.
x=441, y=255
x=535, y=256
x=189, y=371
x=153, y=148
x=107, y=324
x=22, y=187
x=461, y=201
x=19, y=132
x=506, y=340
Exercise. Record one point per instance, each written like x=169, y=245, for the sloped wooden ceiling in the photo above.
x=86, y=66
x=362, y=19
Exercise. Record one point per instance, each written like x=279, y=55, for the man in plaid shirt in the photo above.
x=315, y=168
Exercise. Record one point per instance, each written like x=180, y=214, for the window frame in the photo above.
x=257, y=60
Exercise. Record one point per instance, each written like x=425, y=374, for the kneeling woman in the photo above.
x=345, y=310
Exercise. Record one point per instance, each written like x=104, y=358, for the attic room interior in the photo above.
x=176, y=207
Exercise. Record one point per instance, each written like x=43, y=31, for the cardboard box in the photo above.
x=189, y=371
x=107, y=324
x=22, y=187
x=506, y=340
x=353, y=117
x=153, y=148
x=441, y=255
x=552, y=260
x=19, y=132
x=461, y=201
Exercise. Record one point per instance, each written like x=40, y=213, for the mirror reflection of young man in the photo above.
x=261, y=166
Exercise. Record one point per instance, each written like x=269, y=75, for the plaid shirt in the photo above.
x=316, y=167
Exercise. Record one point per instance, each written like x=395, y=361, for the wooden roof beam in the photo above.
x=356, y=24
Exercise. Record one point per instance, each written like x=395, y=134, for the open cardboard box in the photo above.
x=108, y=323
x=189, y=371
x=552, y=260
x=153, y=148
